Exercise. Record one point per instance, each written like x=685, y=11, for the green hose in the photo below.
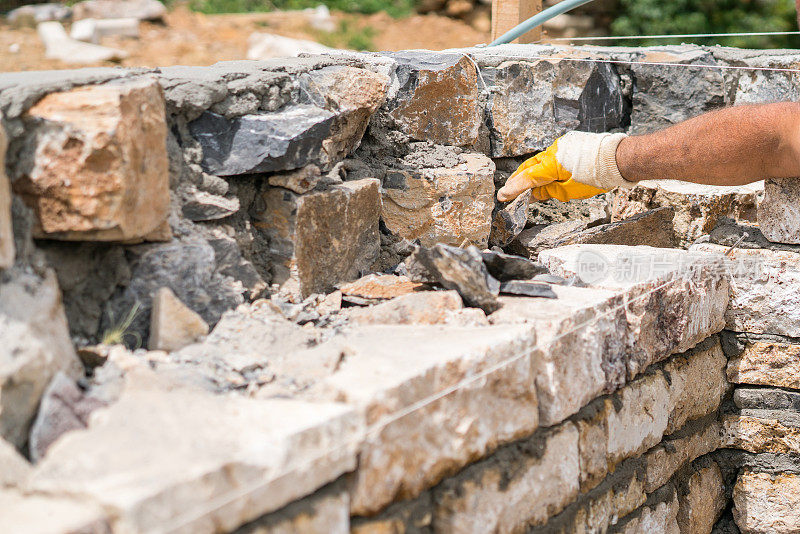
x=537, y=20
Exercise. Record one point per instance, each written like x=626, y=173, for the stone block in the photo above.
x=438, y=201
x=324, y=237
x=175, y=458
x=766, y=362
x=762, y=431
x=697, y=207
x=25, y=514
x=520, y=486
x=534, y=102
x=778, y=215
x=98, y=170
x=435, y=98
x=766, y=503
x=657, y=517
x=766, y=399
x=6, y=231
x=701, y=498
x=172, y=324
x=764, y=298
x=426, y=307
x=389, y=369
x=36, y=342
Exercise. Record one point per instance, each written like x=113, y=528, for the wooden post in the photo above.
x=508, y=13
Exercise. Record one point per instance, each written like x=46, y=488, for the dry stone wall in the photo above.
x=302, y=246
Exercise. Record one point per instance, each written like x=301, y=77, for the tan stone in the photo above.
x=593, y=444
x=6, y=231
x=321, y=238
x=100, y=169
x=667, y=457
x=701, y=498
x=14, y=469
x=169, y=458
x=172, y=324
x=380, y=286
x=450, y=205
x=697, y=383
x=778, y=215
x=759, y=434
x=513, y=491
x=325, y=512
x=437, y=98
x=767, y=504
x=659, y=518
x=697, y=207
x=769, y=363
x=40, y=514
x=426, y=307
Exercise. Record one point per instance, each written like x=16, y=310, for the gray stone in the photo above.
x=542, y=237
x=204, y=206
x=119, y=9
x=766, y=399
x=527, y=289
x=507, y=267
x=509, y=221
x=778, y=215
x=58, y=45
x=34, y=14
x=462, y=270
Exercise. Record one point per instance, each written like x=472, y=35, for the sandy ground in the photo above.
x=188, y=38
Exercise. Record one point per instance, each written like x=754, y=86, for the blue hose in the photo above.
x=537, y=20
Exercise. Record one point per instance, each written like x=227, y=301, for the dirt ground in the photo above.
x=188, y=38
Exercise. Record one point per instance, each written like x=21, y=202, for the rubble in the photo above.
x=59, y=45
x=379, y=287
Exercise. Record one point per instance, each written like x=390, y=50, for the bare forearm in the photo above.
x=732, y=146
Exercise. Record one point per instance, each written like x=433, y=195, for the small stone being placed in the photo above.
x=510, y=220
x=459, y=269
x=527, y=289
x=172, y=324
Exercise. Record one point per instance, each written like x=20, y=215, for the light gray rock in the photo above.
x=92, y=30
x=262, y=45
x=778, y=214
x=32, y=15
x=59, y=45
x=204, y=206
x=119, y=9
x=32, y=513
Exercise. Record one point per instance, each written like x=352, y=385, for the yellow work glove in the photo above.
x=577, y=165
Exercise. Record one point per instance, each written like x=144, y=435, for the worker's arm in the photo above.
x=731, y=146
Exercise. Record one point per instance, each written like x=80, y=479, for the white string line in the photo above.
x=230, y=497
x=631, y=62
x=666, y=36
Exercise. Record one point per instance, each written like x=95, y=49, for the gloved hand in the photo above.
x=577, y=165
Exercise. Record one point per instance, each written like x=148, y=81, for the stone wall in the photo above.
x=257, y=297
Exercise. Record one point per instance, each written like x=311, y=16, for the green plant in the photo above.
x=117, y=333
x=395, y=8
x=653, y=17
x=349, y=36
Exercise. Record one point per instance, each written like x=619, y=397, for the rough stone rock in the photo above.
x=778, y=216
x=92, y=30
x=762, y=431
x=759, y=86
x=436, y=98
x=764, y=298
x=321, y=129
x=40, y=513
x=14, y=469
x=542, y=237
x=58, y=45
x=766, y=398
x=36, y=344
x=697, y=207
x=462, y=270
x=64, y=407
x=690, y=443
x=532, y=103
x=300, y=181
x=522, y=485
x=165, y=458
x=509, y=221
x=322, y=238
x=766, y=503
x=99, y=170
x=507, y=267
x=325, y=512
x=592, y=211
x=652, y=518
x=667, y=95
x=766, y=362
x=527, y=289
x=6, y=231
x=701, y=497
x=172, y=324
x=390, y=368
x=31, y=15
x=426, y=307
x=440, y=202
x=119, y=9
x=203, y=206
x=380, y=287
x=262, y=46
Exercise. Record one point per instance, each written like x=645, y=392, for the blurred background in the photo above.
x=202, y=32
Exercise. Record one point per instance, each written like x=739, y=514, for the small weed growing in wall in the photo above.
x=118, y=332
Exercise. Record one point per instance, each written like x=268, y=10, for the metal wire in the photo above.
x=666, y=36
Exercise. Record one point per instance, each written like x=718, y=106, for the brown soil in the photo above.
x=188, y=38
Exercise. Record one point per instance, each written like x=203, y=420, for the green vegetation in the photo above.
x=348, y=35
x=395, y=8
x=653, y=17
x=117, y=333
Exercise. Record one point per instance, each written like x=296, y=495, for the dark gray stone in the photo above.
x=278, y=141
x=509, y=220
x=551, y=279
x=460, y=269
x=208, y=207
x=527, y=289
x=766, y=398
x=506, y=267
